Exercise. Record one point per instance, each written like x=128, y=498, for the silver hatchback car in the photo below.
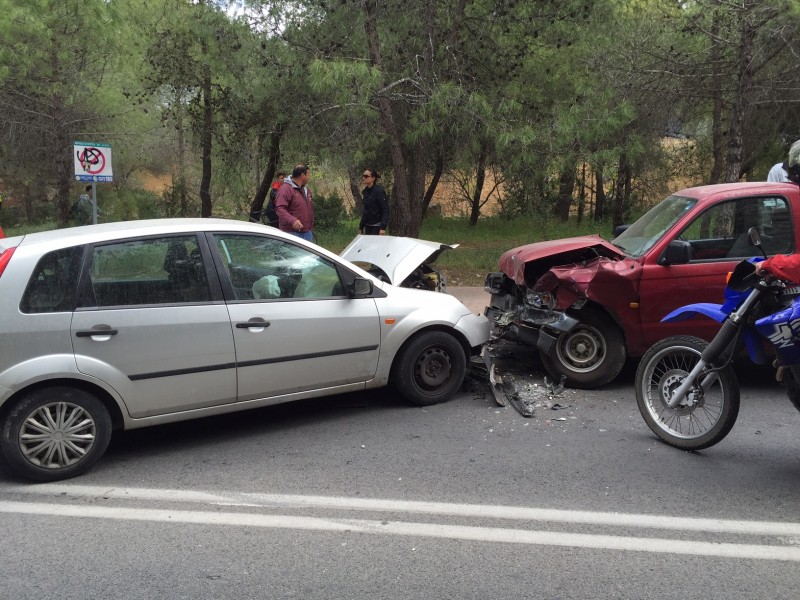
x=132, y=324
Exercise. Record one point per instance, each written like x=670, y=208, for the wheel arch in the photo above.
x=460, y=337
x=603, y=311
x=114, y=411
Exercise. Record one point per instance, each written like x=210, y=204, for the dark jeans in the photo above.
x=372, y=229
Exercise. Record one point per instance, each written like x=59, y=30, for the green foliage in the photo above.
x=130, y=205
x=530, y=87
x=329, y=212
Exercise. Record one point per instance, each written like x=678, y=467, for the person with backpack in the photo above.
x=270, y=213
x=81, y=212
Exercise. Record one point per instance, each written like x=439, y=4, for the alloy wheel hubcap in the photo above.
x=57, y=435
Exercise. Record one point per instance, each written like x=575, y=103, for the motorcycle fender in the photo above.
x=712, y=311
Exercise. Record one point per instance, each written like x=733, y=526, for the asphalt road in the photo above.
x=361, y=496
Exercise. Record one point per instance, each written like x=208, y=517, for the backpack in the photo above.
x=78, y=212
x=271, y=214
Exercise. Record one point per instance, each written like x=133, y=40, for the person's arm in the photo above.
x=310, y=211
x=783, y=266
x=384, y=204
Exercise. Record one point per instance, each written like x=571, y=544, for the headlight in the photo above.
x=494, y=283
x=539, y=299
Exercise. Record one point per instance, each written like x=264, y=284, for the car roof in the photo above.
x=88, y=234
x=734, y=190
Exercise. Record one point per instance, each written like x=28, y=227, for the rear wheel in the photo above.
x=54, y=433
x=705, y=416
x=590, y=355
x=430, y=368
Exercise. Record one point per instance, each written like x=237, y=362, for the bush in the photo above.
x=128, y=204
x=329, y=212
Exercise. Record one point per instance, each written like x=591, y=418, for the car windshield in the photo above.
x=645, y=232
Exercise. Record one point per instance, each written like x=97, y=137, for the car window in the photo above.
x=265, y=268
x=645, y=232
x=721, y=232
x=165, y=270
x=53, y=282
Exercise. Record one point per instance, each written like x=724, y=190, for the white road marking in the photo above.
x=518, y=513
x=454, y=532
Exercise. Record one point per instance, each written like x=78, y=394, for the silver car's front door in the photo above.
x=147, y=325
x=294, y=328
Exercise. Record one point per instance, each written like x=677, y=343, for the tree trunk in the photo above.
x=600, y=195
x=582, y=194
x=354, y=181
x=273, y=159
x=735, y=139
x=183, y=201
x=480, y=178
x=566, y=185
x=622, y=191
x=206, y=136
x=438, y=169
x=717, y=136
x=63, y=149
x=401, y=220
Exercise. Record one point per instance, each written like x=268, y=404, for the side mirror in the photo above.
x=755, y=240
x=619, y=229
x=678, y=252
x=361, y=288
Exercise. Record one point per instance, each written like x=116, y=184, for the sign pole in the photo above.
x=92, y=164
x=94, y=203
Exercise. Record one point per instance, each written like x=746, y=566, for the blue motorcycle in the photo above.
x=686, y=388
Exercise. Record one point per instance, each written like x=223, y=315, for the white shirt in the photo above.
x=776, y=173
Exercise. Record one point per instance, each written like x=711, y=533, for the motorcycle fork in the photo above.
x=730, y=328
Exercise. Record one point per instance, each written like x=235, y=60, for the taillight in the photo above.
x=5, y=257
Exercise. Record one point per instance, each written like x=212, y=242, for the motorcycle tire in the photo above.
x=702, y=419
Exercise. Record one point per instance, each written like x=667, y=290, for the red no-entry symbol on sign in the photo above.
x=92, y=160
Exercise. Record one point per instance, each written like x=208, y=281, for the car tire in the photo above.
x=589, y=356
x=54, y=433
x=430, y=368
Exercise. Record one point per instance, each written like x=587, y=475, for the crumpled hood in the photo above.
x=552, y=253
x=398, y=257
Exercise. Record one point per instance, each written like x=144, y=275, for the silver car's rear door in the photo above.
x=148, y=326
x=294, y=328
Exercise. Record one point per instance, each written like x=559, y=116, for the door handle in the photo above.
x=94, y=332
x=251, y=324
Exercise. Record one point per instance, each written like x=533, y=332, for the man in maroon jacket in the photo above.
x=294, y=205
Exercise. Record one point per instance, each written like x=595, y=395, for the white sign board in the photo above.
x=92, y=161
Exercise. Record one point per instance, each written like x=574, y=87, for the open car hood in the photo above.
x=554, y=253
x=397, y=257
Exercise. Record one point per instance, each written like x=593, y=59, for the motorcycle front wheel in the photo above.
x=704, y=417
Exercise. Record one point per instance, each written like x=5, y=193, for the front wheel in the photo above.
x=54, y=433
x=705, y=416
x=430, y=368
x=590, y=355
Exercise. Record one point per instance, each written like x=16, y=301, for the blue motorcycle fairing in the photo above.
x=782, y=329
x=713, y=311
x=720, y=312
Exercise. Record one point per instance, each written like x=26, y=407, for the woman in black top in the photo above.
x=375, y=216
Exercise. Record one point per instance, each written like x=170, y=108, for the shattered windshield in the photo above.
x=644, y=233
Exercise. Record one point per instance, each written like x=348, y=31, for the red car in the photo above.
x=588, y=304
